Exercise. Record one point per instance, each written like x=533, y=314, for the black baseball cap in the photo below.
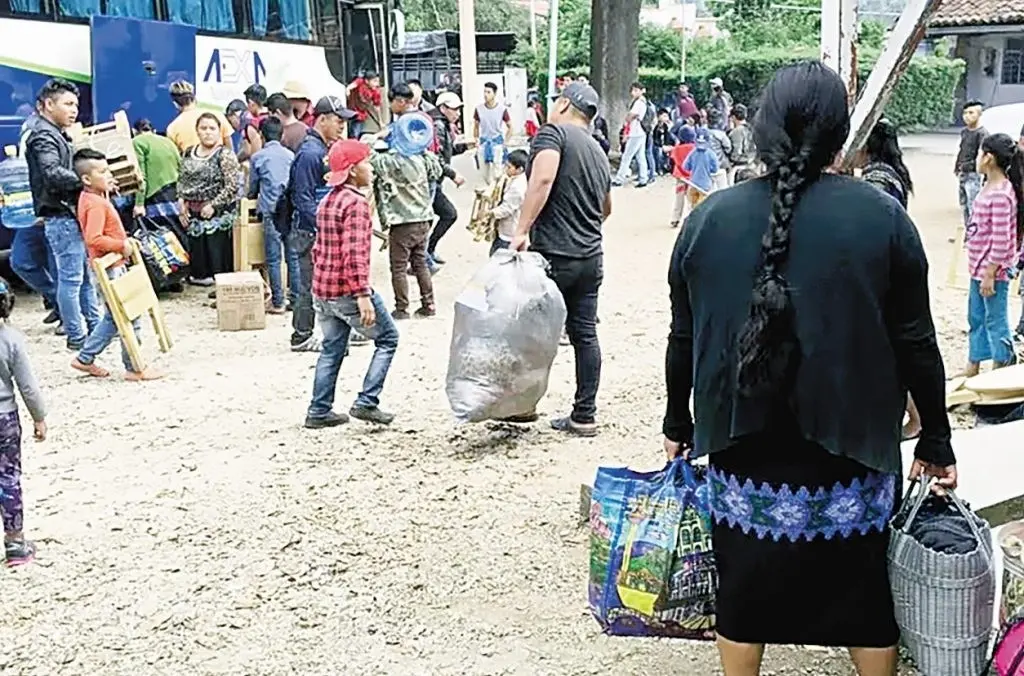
x=332, y=104
x=583, y=98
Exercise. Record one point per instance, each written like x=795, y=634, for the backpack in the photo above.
x=647, y=122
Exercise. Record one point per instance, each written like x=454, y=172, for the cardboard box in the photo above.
x=240, y=301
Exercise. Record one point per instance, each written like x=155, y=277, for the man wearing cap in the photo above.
x=342, y=295
x=567, y=200
x=249, y=139
x=305, y=188
x=722, y=102
x=402, y=184
x=447, y=112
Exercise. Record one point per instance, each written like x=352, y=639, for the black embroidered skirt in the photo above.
x=800, y=538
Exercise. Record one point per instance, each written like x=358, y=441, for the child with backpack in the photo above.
x=678, y=155
x=702, y=165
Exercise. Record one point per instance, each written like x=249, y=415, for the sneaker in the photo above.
x=319, y=422
x=570, y=426
x=201, y=281
x=59, y=329
x=371, y=414
x=274, y=310
x=51, y=318
x=425, y=313
x=311, y=344
x=437, y=259
x=19, y=552
x=75, y=345
x=563, y=340
x=356, y=338
x=399, y=315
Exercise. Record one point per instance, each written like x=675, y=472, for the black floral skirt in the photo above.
x=800, y=539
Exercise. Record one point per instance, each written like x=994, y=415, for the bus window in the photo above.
x=136, y=9
x=21, y=6
x=79, y=8
x=288, y=19
x=211, y=15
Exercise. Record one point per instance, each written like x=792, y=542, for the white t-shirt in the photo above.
x=639, y=108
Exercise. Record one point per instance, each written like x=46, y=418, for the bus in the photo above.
x=124, y=54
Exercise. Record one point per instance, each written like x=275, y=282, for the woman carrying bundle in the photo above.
x=800, y=317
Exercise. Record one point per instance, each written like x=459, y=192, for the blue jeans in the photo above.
x=272, y=252
x=76, y=295
x=32, y=260
x=635, y=149
x=652, y=168
x=105, y=332
x=970, y=186
x=338, y=316
x=291, y=260
x=989, y=326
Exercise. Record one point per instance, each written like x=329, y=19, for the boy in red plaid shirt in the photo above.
x=342, y=296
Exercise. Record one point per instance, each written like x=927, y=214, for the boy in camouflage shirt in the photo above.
x=402, y=185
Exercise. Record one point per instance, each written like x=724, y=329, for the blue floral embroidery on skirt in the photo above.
x=865, y=505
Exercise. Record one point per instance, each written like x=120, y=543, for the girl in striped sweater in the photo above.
x=992, y=239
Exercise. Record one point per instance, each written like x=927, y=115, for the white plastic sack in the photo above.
x=508, y=321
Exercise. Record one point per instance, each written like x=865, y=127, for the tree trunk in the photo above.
x=614, y=37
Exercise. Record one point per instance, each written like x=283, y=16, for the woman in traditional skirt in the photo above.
x=208, y=190
x=800, y=319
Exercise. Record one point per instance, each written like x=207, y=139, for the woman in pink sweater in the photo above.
x=992, y=240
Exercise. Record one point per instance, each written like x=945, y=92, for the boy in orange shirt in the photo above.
x=679, y=153
x=103, y=233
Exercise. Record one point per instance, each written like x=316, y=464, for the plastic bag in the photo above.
x=166, y=259
x=507, y=324
x=652, y=568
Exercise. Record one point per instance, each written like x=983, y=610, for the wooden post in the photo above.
x=467, y=58
x=899, y=47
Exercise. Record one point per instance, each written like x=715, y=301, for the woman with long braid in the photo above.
x=800, y=319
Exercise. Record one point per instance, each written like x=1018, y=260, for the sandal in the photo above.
x=90, y=369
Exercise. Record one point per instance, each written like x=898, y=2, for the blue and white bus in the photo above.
x=124, y=54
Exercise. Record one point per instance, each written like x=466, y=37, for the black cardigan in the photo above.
x=858, y=281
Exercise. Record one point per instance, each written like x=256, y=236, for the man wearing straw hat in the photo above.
x=302, y=105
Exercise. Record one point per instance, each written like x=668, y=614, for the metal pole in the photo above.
x=682, y=60
x=467, y=59
x=552, y=49
x=533, y=24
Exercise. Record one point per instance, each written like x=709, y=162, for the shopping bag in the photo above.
x=508, y=321
x=166, y=259
x=652, y=568
x=1008, y=653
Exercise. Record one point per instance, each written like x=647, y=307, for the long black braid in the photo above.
x=799, y=128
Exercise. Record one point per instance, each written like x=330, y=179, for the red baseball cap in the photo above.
x=344, y=155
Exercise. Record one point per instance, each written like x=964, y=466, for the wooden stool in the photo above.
x=114, y=140
x=129, y=297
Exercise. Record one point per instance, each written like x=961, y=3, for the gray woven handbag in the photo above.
x=944, y=602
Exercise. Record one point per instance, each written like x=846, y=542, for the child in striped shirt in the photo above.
x=992, y=237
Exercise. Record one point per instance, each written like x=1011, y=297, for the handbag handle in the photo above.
x=922, y=494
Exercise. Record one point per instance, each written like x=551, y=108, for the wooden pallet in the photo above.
x=129, y=297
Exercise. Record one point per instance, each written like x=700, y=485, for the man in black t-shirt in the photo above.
x=567, y=200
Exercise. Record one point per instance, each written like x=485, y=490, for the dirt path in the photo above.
x=192, y=526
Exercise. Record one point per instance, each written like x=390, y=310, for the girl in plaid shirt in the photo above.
x=992, y=239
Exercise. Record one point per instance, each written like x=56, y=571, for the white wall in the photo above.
x=984, y=87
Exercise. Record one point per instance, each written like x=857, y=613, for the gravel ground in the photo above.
x=193, y=526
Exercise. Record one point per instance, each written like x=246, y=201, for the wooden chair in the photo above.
x=114, y=140
x=129, y=297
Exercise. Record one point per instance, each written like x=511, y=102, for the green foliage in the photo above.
x=923, y=97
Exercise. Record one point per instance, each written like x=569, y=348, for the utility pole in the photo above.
x=552, y=49
x=682, y=59
x=533, y=24
x=467, y=60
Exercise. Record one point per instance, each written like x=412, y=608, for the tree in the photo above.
x=614, y=55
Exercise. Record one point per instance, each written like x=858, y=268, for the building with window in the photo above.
x=989, y=36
